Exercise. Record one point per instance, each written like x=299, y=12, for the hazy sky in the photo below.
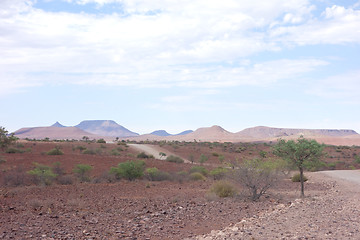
x=177, y=65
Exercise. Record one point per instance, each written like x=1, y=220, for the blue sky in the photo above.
x=179, y=65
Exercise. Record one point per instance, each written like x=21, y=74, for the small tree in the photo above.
x=161, y=154
x=299, y=152
x=6, y=139
x=82, y=171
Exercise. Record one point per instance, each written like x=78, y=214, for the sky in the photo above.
x=178, y=65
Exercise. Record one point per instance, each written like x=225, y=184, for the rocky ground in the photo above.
x=331, y=214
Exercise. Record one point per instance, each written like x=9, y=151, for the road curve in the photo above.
x=347, y=175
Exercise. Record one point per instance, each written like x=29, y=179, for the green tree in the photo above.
x=161, y=154
x=300, y=153
x=6, y=139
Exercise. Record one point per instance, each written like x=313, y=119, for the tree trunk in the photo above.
x=302, y=181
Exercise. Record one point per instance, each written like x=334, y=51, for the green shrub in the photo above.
x=101, y=140
x=174, y=159
x=2, y=160
x=196, y=176
x=199, y=169
x=65, y=180
x=55, y=151
x=89, y=151
x=144, y=155
x=331, y=166
x=218, y=173
x=14, y=150
x=296, y=178
x=203, y=158
x=81, y=148
x=223, y=189
x=43, y=174
x=154, y=174
x=82, y=171
x=129, y=170
x=215, y=154
x=114, y=152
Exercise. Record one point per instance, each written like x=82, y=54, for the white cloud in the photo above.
x=339, y=25
x=186, y=43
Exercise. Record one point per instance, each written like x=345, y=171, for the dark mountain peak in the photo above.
x=105, y=128
x=57, y=124
x=161, y=133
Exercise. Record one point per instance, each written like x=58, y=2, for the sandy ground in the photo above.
x=332, y=214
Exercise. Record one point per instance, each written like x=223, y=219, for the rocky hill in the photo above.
x=106, y=128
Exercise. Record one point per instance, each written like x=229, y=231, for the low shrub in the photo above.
x=199, y=169
x=2, y=160
x=114, y=152
x=144, y=155
x=42, y=174
x=154, y=174
x=101, y=140
x=196, y=176
x=55, y=151
x=223, y=189
x=89, y=151
x=65, y=180
x=14, y=178
x=296, y=178
x=57, y=169
x=82, y=171
x=174, y=159
x=14, y=150
x=218, y=173
x=129, y=170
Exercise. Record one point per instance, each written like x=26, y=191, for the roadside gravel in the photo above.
x=332, y=214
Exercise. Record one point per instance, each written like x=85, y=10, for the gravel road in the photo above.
x=331, y=214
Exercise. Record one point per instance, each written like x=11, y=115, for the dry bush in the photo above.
x=223, y=189
x=196, y=176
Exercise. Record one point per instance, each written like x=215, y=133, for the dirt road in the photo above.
x=153, y=150
x=332, y=214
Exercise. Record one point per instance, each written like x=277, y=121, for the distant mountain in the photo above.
x=107, y=128
x=261, y=132
x=57, y=124
x=161, y=133
x=184, y=132
x=58, y=133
